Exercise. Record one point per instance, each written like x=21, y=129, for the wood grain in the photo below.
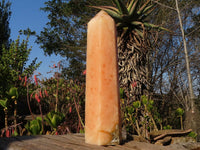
x=71, y=142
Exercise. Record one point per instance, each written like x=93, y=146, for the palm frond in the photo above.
x=112, y=11
x=139, y=12
x=147, y=12
x=133, y=8
x=120, y=5
x=156, y=27
x=130, y=5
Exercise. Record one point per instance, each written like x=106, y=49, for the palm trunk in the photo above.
x=133, y=72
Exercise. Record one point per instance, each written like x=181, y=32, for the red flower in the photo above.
x=25, y=80
x=70, y=109
x=134, y=84
x=45, y=91
x=7, y=133
x=37, y=98
x=40, y=93
x=31, y=96
x=20, y=78
x=35, y=78
x=84, y=72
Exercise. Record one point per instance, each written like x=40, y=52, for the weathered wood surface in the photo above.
x=156, y=135
x=72, y=142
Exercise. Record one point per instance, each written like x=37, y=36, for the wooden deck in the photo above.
x=72, y=142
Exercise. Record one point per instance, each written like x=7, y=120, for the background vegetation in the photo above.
x=157, y=94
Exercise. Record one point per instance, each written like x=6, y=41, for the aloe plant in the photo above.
x=54, y=119
x=34, y=127
x=4, y=104
x=132, y=15
x=133, y=29
x=13, y=93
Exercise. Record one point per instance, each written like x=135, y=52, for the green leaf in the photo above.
x=192, y=134
x=121, y=7
x=13, y=92
x=54, y=118
x=147, y=12
x=15, y=133
x=34, y=126
x=139, y=12
x=136, y=23
x=139, y=32
x=130, y=5
x=156, y=27
x=151, y=102
x=3, y=103
x=111, y=8
x=144, y=101
x=133, y=8
x=179, y=111
x=111, y=11
x=121, y=91
x=150, y=7
x=82, y=131
x=136, y=104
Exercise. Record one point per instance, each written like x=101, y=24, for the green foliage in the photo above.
x=179, y=112
x=15, y=133
x=136, y=104
x=132, y=15
x=142, y=116
x=121, y=93
x=13, y=93
x=66, y=32
x=13, y=64
x=82, y=130
x=5, y=14
x=70, y=97
x=3, y=103
x=144, y=100
x=34, y=127
x=192, y=134
x=54, y=119
x=167, y=127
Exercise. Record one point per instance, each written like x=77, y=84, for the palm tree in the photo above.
x=133, y=44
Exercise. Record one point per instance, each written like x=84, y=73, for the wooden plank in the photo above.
x=47, y=142
x=79, y=139
x=68, y=142
x=14, y=144
x=72, y=142
x=41, y=143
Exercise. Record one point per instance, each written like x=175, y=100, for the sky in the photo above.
x=27, y=14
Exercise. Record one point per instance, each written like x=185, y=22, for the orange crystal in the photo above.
x=102, y=112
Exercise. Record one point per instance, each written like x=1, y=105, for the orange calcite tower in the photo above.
x=102, y=112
